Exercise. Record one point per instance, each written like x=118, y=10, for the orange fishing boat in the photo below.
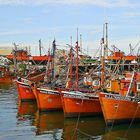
x=5, y=76
x=24, y=90
x=23, y=55
x=117, y=108
x=120, y=55
x=77, y=103
x=122, y=107
x=47, y=99
x=24, y=87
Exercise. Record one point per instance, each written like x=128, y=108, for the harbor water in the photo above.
x=22, y=121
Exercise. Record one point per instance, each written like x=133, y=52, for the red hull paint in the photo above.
x=5, y=76
x=119, y=110
x=26, y=58
x=25, y=91
x=47, y=99
x=84, y=107
x=5, y=80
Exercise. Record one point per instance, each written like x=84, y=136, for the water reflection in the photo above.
x=26, y=111
x=83, y=128
x=124, y=132
x=49, y=121
x=23, y=121
x=50, y=124
x=5, y=86
x=27, y=108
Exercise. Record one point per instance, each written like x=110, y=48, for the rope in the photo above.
x=116, y=114
x=86, y=134
x=77, y=123
x=132, y=120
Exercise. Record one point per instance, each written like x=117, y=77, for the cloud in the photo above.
x=100, y=3
x=50, y=30
x=17, y=32
x=6, y=45
x=132, y=14
x=123, y=43
x=27, y=20
x=5, y=33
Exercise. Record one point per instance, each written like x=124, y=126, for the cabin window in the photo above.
x=138, y=86
x=126, y=85
x=109, y=85
x=1, y=74
x=85, y=79
x=96, y=83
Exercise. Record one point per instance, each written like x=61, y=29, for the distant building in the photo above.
x=5, y=50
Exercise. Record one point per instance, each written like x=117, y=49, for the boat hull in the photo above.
x=5, y=80
x=25, y=92
x=119, y=110
x=47, y=100
x=74, y=107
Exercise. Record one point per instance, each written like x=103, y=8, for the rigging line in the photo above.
x=76, y=128
x=135, y=46
x=98, y=50
x=115, y=69
x=33, y=62
x=130, y=85
x=77, y=123
x=132, y=119
x=91, y=136
x=60, y=76
x=115, y=114
x=97, y=90
x=112, y=75
x=43, y=61
x=119, y=101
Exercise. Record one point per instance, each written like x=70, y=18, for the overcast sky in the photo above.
x=26, y=21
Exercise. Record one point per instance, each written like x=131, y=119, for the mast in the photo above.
x=15, y=57
x=106, y=47
x=77, y=62
x=71, y=58
x=40, y=47
x=102, y=58
x=48, y=63
x=53, y=58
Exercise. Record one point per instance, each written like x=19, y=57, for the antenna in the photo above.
x=87, y=51
x=81, y=42
x=77, y=35
x=71, y=41
x=103, y=33
x=14, y=58
x=40, y=47
x=29, y=49
x=15, y=45
x=131, y=49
